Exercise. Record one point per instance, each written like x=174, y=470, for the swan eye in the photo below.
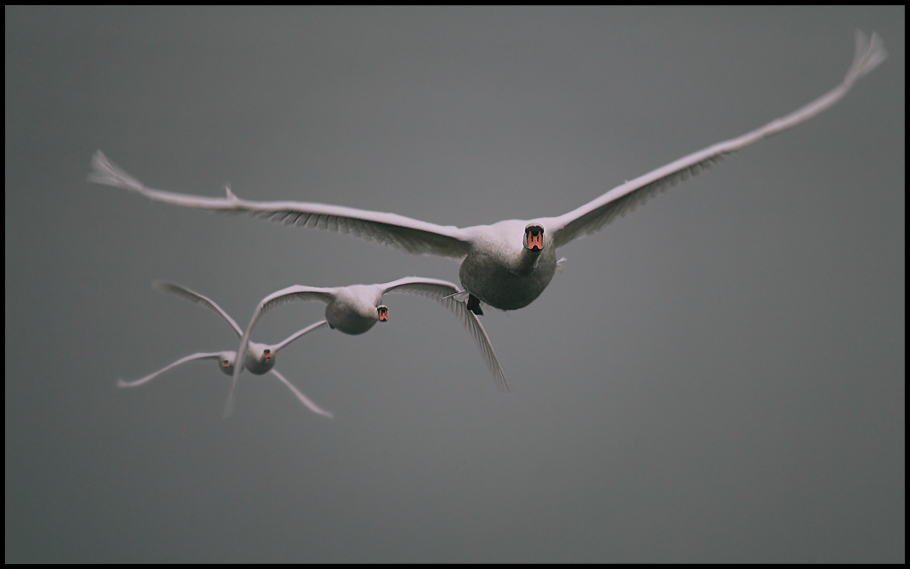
x=383, y=313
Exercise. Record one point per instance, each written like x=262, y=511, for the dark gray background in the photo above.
x=718, y=376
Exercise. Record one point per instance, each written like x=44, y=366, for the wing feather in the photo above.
x=592, y=216
x=411, y=235
x=311, y=328
x=193, y=296
x=194, y=357
x=296, y=292
x=300, y=396
x=442, y=292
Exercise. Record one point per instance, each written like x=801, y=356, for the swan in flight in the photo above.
x=357, y=308
x=507, y=264
x=259, y=358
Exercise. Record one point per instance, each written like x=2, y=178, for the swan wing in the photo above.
x=193, y=296
x=443, y=292
x=303, y=398
x=411, y=235
x=592, y=216
x=292, y=293
x=296, y=292
x=311, y=328
x=194, y=357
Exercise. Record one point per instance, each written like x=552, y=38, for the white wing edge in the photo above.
x=200, y=356
x=565, y=228
x=300, y=396
x=446, y=293
x=193, y=296
x=411, y=235
x=300, y=333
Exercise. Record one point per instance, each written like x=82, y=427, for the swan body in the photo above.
x=354, y=309
x=501, y=271
x=259, y=359
x=498, y=266
x=357, y=308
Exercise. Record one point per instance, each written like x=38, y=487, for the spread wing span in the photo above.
x=411, y=235
x=592, y=216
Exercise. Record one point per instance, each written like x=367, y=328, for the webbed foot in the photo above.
x=474, y=305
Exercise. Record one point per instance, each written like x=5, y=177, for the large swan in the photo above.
x=507, y=264
x=258, y=359
x=357, y=308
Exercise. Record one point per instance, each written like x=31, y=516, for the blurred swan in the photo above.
x=357, y=308
x=507, y=264
x=259, y=358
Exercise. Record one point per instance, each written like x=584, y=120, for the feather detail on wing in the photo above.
x=411, y=235
x=444, y=293
x=592, y=216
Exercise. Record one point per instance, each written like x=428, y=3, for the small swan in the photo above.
x=357, y=308
x=259, y=358
x=507, y=264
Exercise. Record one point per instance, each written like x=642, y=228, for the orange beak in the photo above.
x=535, y=240
x=267, y=354
x=225, y=364
x=383, y=314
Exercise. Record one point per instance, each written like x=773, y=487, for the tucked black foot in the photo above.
x=474, y=305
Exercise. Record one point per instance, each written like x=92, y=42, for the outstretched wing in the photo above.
x=592, y=216
x=311, y=328
x=193, y=296
x=199, y=356
x=297, y=292
x=441, y=292
x=411, y=235
x=300, y=396
x=292, y=293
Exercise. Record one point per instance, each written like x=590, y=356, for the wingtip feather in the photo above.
x=869, y=54
x=107, y=173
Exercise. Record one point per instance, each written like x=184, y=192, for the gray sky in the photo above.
x=717, y=376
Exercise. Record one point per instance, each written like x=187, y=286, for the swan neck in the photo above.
x=527, y=259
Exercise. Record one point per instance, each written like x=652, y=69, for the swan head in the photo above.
x=260, y=358
x=382, y=311
x=533, y=239
x=226, y=363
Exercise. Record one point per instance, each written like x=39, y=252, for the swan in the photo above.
x=355, y=309
x=507, y=264
x=259, y=358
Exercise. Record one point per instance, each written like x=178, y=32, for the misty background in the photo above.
x=717, y=376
